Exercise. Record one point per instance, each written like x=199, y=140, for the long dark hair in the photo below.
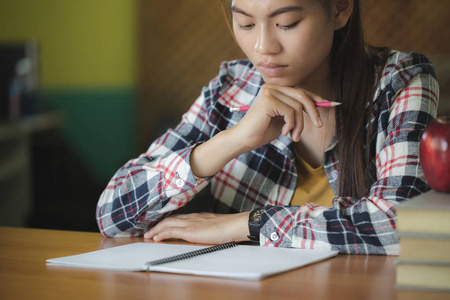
x=353, y=70
x=354, y=75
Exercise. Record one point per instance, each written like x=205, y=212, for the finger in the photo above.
x=170, y=233
x=307, y=99
x=294, y=120
x=163, y=225
x=294, y=115
x=279, y=111
x=276, y=105
x=194, y=216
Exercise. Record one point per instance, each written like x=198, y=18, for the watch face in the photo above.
x=256, y=214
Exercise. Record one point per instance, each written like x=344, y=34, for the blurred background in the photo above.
x=86, y=85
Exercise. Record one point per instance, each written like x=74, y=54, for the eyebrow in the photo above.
x=272, y=14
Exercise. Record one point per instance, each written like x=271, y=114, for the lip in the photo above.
x=271, y=69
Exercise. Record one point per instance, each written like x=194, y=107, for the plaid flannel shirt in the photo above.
x=160, y=181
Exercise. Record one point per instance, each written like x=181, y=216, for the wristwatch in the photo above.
x=254, y=220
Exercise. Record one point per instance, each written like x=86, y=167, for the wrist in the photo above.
x=233, y=141
x=211, y=156
x=241, y=227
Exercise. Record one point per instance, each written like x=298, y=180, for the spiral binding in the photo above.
x=190, y=254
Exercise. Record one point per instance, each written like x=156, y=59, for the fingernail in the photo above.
x=319, y=121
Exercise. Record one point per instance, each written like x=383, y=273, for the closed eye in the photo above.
x=290, y=26
x=246, y=27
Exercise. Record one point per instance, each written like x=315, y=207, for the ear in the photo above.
x=342, y=12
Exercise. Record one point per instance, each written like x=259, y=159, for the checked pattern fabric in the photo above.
x=160, y=181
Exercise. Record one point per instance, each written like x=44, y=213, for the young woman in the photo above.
x=287, y=173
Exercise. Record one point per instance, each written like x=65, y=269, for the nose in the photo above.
x=267, y=42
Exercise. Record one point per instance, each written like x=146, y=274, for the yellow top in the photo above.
x=312, y=185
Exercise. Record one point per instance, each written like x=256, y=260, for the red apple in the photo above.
x=435, y=154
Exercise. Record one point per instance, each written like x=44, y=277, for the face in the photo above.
x=288, y=41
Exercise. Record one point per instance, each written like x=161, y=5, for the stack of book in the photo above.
x=423, y=227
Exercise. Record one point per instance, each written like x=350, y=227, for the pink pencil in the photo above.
x=318, y=104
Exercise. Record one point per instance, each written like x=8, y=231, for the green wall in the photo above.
x=99, y=125
x=87, y=71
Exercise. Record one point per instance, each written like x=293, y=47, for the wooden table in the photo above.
x=25, y=275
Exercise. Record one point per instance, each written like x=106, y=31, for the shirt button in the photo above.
x=180, y=182
x=335, y=174
x=274, y=236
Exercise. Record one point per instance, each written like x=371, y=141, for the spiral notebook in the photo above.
x=226, y=260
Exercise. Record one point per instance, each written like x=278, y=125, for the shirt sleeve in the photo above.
x=367, y=225
x=148, y=188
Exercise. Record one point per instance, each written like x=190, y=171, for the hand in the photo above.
x=277, y=110
x=206, y=228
